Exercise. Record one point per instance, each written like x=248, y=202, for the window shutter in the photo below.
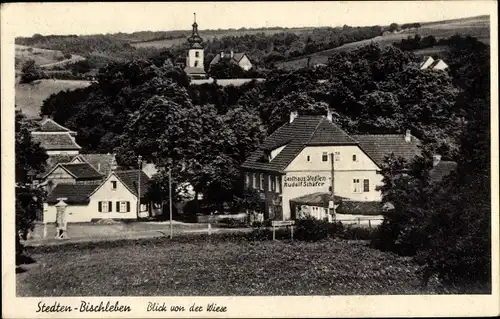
x=117, y=207
x=110, y=207
x=100, y=207
x=128, y=207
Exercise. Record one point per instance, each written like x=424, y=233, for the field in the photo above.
x=30, y=96
x=42, y=57
x=221, y=266
x=478, y=27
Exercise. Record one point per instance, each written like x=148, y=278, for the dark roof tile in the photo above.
x=377, y=147
x=130, y=179
x=304, y=130
x=101, y=162
x=75, y=193
x=49, y=125
x=56, y=141
x=82, y=170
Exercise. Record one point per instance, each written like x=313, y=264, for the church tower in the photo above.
x=195, y=57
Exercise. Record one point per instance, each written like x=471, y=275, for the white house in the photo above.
x=295, y=161
x=431, y=64
x=241, y=59
x=114, y=198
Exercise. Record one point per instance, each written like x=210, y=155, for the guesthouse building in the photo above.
x=297, y=160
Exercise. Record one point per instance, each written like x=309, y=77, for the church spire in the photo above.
x=195, y=37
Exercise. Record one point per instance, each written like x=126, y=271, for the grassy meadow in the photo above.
x=223, y=265
x=30, y=96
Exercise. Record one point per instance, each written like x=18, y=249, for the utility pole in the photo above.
x=331, y=204
x=170, y=199
x=139, y=161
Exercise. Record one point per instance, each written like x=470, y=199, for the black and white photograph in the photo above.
x=206, y=150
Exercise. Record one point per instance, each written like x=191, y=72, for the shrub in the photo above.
x=359, y=233
x=31, y=72
x=232, y=222
x=311, y=229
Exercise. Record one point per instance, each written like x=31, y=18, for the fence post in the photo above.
x=291, y=232
x=274, y=234
x=369, y=223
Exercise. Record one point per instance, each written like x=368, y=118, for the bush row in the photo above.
x=311, y=229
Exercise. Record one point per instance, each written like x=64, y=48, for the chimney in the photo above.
x=329, y=115
x=232, y=54
x=221, y=54
x=408, y=136
x=293, y=115
x=436, y=159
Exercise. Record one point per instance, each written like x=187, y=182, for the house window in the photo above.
x=257, y=178
x=247, y=179
x=269, y=184
x=254, y=180
x=366, y=185
x=354, y=159
x=308, y=158
x=356, y=185
x=273, y=183
x=324, y=158
x=261, y=182
x=278, y=184
x=337, y=156
x=113, y=185
x=105, y=207
x=122, y=207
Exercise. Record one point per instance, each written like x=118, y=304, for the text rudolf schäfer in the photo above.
x=163, y=307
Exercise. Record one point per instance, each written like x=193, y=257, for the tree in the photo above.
x=31, y=72
x=30, y=160
x=393, y=27
x=30, y=157
x=80, y=67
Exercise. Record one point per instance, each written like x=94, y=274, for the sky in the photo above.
x=26, y=19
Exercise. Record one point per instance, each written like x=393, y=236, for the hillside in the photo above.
x=43, y=57
x=209, y=35
x=478, y=27
x=30, y=96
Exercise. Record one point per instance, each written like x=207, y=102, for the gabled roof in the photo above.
x=320, y=199
x=304, y=130
x=100, y=162
x=130, y=179
x=82, y=170
x=52, y=161
x=442, y=169
x=78, y=170
x=378, y=146
x=227, y=56
x=192, y=70
x=49, y=125
x=75, y=193
x=55, y=141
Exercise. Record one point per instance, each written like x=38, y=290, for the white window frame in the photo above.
x=254, y=180
x=262, y=179
x=356, y=182
x=103, y=205
x=247, y=179
x=337, y=156
x=123, y=204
